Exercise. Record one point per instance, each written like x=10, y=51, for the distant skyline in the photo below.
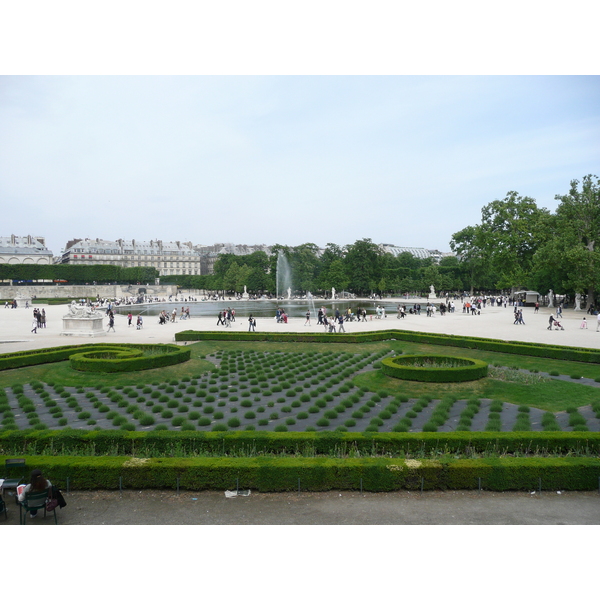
x=404, y=160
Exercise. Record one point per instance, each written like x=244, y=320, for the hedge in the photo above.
x=329, y=443
x=168, y=354
x=127, y=359
x=102, y=274
x=403, y=367
x=511, y=347
x=267, y=474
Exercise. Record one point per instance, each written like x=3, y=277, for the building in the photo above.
x=436, y=255
x=168, y=258
x=24, y=250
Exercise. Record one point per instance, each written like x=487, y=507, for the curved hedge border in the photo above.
x=331, y=443
x=123, y=360
x=512, y=347
x=167, y=354
x=403, y=367
x=267, y=474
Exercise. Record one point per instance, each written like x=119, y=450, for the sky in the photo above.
x=270, y=122
x=404, y=160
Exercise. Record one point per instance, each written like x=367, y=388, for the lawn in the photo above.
x=301, y=387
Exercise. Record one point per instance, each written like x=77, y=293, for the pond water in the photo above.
x=262, y=308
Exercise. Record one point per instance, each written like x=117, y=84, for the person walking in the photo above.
x=307, y=322
x=341, y=324
x=129, y=318
x=598, y=326
x=251, y=323
x=111, y=322
x=551, y=320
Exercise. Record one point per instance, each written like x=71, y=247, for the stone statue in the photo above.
x=333, y=293
x=432, y=290
x=577, y=301
x=550, y=299
x=289, y=292
x=81, y=312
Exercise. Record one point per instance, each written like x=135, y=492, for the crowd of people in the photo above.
x=39, y=319
x=226, y=317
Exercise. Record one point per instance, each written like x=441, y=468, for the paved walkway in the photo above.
x=153, y=507
x=494, y=322
x=149, y=507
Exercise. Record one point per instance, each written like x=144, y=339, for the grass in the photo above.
x=510, y=384
x=549, y=394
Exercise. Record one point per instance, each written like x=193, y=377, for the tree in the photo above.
x=304, y=262
x=576, y=242
x=231, y=278
x=335, y=276
x=432, y=276
x=363, y=265
x=332, y=253
x=470, y=256
x=510, y=233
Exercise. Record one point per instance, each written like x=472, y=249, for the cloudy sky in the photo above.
x=289, y=129
x=406, y=160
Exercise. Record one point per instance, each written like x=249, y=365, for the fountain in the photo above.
x=283, y=275
x=313, y=309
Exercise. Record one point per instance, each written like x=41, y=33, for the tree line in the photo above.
x=361, y=268
x=79, y=274
x=520, y=245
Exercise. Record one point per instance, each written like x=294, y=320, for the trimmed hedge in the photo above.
x=403, y=367
x=512, y=347
x=168, y=354
x=127, y=359
x=267, y=474
x=330, y=443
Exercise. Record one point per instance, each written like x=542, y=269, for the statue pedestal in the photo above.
x=83, y=327
x=23, y=301
x=432, y=297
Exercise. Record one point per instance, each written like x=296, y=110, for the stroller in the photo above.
x=557, y=325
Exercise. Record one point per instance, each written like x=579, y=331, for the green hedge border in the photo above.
x=170, y=354
x=469, y=370
x=510, y=347
x=332, y=443
x=267, y=474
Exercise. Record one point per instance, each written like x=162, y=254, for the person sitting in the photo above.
x=37, y=483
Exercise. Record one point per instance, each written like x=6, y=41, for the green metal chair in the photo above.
x=34, y=501
x=14, y=472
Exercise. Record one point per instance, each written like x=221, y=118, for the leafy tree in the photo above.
x=432, y=276
x=363, y=265
x=304, y=262
x=231, y=277
x=505, y=243
x=335, y=277
x=466, y=244
x=573, y=247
